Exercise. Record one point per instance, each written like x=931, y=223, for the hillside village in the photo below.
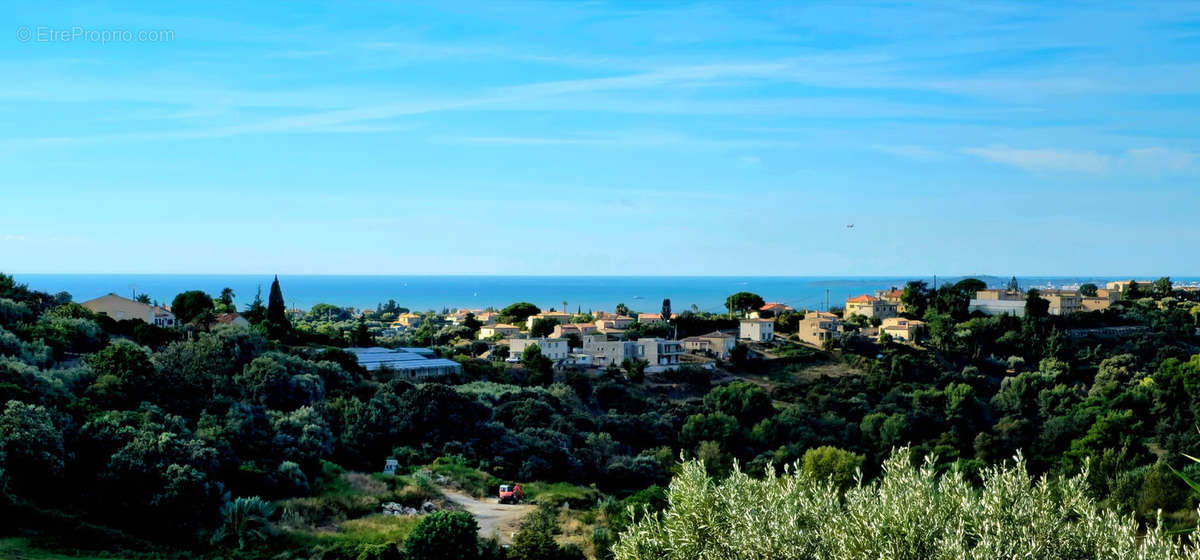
x=363, y=425
x=650, y=342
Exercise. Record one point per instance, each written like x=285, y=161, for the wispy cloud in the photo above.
x=1154, y=160
x=1160, y=159
x=1042, y=160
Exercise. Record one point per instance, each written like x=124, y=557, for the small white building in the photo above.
x=757, y=330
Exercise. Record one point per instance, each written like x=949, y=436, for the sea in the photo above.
x=573, y=293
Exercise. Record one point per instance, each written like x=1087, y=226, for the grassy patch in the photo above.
x=346, y=510
x=373, y=529
x=23, y=549
x=558, y=492
x=472, y=481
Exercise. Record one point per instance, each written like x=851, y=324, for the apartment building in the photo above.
x=657, y=351
x=554, y=348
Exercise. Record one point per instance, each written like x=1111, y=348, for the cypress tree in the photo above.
x=277, y=321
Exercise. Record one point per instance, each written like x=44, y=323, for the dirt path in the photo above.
x=494, y=518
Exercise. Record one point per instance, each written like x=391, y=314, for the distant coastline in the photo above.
x=425, y=292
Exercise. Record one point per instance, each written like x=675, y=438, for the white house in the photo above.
x=758, y=330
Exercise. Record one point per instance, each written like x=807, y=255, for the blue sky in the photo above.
x=602, y=138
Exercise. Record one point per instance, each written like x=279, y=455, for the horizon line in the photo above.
x=539, y=275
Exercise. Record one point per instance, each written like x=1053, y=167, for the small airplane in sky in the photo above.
x=849, y=226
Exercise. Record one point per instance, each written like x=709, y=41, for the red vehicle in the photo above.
x=511, y=494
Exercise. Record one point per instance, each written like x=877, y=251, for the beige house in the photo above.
x=869, y=306
x=579, y=329
x=892, y=296
x=717, y=343
x=652, y=317
x=818, y=326
x=560, y=317
x=553, y=348
x=757, y=330
x=613, y=323
x=1120, y=285
x=1063, y=302
x=900, y=328
x=120, y=309
x=407, y=321
x=502, y=329
x=1095, y=303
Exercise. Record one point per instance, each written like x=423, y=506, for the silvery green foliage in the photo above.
x=909, y=513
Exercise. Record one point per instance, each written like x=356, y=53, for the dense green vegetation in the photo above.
x=908, y=513
x=224, y=441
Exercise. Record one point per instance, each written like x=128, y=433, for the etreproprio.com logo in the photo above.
x=81, y=34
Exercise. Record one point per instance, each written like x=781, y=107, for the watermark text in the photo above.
x=82, y=34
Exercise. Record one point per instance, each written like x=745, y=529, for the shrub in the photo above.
x=245, y=522
x=449, y=535
x=910, y=512
x=831, y=463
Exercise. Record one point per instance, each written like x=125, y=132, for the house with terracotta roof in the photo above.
x=652, y=317
x=869, y=306
x=772, y=309
x=232, y=319
x=893, y=296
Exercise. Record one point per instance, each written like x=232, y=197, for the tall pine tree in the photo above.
x=278, y=324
